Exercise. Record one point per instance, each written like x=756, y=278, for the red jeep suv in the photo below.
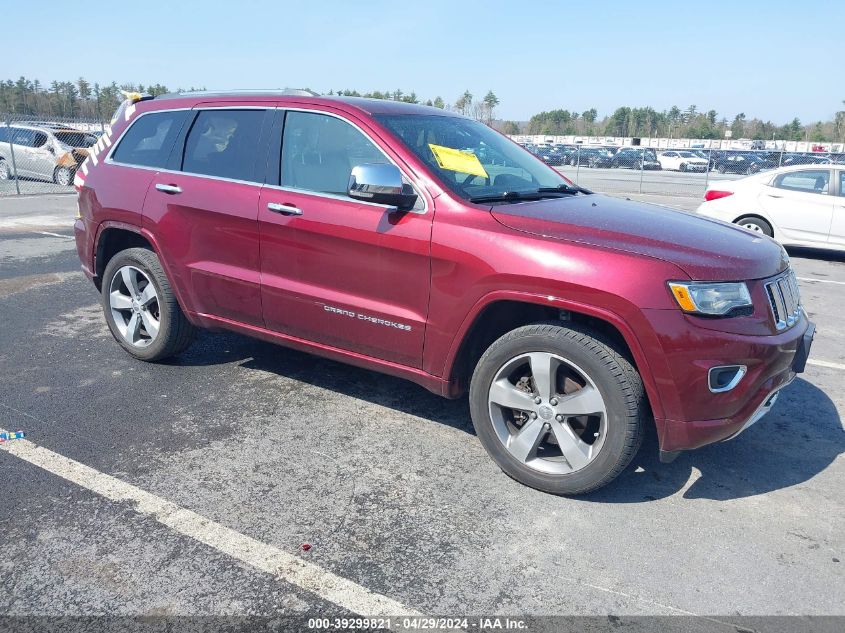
x=419, y=243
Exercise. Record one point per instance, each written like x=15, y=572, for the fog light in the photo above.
x=725, y=377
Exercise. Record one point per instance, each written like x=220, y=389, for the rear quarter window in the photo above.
x=149, y=139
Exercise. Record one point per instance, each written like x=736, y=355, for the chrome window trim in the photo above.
x=410, y=180
x=109, y=160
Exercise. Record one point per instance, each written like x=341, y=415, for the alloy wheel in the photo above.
x=134, y=306
x=548, y=413
x=64, y=176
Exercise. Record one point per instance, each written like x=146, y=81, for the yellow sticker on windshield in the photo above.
x=457, y=160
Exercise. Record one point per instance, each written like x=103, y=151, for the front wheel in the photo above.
x=4, y=170
x=683, y=167
x=721, y=169
x=141, y=309
x=558, y=408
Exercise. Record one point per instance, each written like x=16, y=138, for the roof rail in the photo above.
x=284, y=92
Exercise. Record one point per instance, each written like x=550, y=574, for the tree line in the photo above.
x=82, y=99
x=68, y=99
x=677, y=123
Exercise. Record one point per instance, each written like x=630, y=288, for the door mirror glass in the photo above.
x=382, y=184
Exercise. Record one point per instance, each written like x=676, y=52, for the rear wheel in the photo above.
x=557, y=408
x=758, y=225
x=63, y=176
x=141, y=309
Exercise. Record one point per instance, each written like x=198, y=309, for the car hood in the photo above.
x=704, y=249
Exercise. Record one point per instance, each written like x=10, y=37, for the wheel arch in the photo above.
x=113, y=237
x=501, y=312
x=757, y=216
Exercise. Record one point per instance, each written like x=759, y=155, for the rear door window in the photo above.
x=806, y=181
x=224, y=143
x=149, y=139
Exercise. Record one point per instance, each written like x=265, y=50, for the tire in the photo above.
x=63, y=176
x=586, y=360
x=721, y=169
x=758, y=225
x=5, y=174
x=175, y=333
x=683, y=167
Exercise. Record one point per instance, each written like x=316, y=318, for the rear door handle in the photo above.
x=284, y=209
x=171, y=189
x=771, y=195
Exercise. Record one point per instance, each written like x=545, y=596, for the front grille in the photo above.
x=784, y=300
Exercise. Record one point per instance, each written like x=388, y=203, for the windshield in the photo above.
x=471, y=159
x=76, y=139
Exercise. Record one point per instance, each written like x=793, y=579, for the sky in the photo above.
x=771, y=59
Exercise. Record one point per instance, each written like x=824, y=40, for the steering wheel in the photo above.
x=470, y=179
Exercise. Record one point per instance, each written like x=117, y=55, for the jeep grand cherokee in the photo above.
x=423, y=244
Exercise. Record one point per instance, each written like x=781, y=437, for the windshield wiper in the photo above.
x=564, y=188
x=537, y=194
x=520, y=196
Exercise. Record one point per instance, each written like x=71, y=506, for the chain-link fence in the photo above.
x=42, y=155
x=682, y=171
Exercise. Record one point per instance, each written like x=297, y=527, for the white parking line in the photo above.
x=825, y=363
x=286, y=567
x=67, y=237
x=822, y=281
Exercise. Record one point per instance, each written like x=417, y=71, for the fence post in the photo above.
x=707, y=170
x=642, y=169
x=780, y=159
x=12, y=152
x=577, y=163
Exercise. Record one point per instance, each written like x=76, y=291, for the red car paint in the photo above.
x=290, y=279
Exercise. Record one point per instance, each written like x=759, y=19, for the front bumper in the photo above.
x=694, y=415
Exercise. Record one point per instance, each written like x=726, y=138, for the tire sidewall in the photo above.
x=132, y=258
x=609, y=387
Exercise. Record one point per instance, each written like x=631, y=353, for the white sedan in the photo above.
x=682, y=160
x=802, y=205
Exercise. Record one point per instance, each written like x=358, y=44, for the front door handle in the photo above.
x=171, y=189
x=284, y=209
x=771, y=195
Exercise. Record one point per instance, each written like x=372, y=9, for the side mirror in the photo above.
x=380, y=183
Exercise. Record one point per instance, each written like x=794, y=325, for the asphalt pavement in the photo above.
x=192, y=486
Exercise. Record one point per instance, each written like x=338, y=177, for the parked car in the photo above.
x=43, y=151
x=797, y=206
x=806, y=159
x=357, y=229
x=589, y=156
x=550, y=156
x=635, y=158
x=682, y=160
x=740, y=163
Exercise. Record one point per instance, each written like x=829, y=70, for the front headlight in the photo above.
x=716, y=299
